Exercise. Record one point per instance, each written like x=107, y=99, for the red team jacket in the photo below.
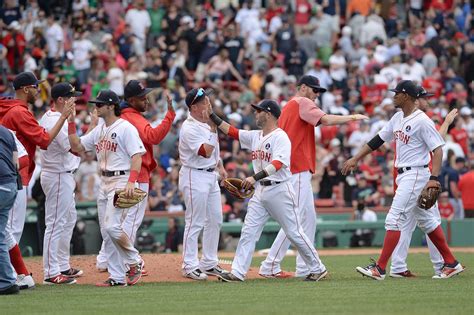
x=14, y=115
x=149, y=136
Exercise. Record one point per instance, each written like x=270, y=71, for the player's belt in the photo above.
x=402, y=170
x=72, y=172
x=113, y=173
x=210, y=170
x=268, y=182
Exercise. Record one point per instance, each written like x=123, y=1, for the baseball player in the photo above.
x=399, y=268
x=274, y=195
x=58, y=165
x=24, y=278
x=199, y=155
x=119, y=152
x=298, y=119
x=415, y=137
x=136, y=102
x=15, y=115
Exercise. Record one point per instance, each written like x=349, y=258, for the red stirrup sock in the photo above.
x=389, y=244
x=17, y=261
x=438, y=239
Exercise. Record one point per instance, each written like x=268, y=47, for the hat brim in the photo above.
x=259, y=108
x=427, y=95
x=101, y=102
x=394, y=90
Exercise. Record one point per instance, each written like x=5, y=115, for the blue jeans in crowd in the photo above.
x=7, y=198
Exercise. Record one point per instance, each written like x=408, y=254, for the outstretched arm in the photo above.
x=443, y=130
x=329, y=120
x=370, y=146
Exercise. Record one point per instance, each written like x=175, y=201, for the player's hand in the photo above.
x=349, y=166
x=359, y=117
x=129, y=188
x=169, y=100
x=248, y=183
x=451, y=115
x=223, y=173
x=433, y=184
x=69, y=108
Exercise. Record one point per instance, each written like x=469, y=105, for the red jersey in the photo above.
x=14, y=115
x=460, y=136
x=298, y=119
x=466, y=186
x=149, y=137
x=445, y=209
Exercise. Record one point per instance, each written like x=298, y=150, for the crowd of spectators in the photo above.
x=249, y=50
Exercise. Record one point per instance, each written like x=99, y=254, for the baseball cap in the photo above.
x=423, y=93
x=312, y=82
x=25, y=79
x=407, y=87
x=465, y=111
x=106, y=97
x=64, y=90
x=269, y=106
x=195, y=95
x=135, y=88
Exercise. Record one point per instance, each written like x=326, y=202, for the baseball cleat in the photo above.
x=13, y=289
x=134, y=274
x=110, y=283
x=72, y=273
x=316, y=276
x=216, y=271
x=25, y=282
x=372, y=271
x=229, y=277
x=450, y=270
x=196, y=274
x=59, y=279
x=405, y=274
x=278, y=275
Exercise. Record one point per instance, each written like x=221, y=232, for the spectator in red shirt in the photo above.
x=15, y=43
x=446, y=209
x=466, y=187
x=460, y=136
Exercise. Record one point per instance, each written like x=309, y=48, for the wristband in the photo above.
x=133, y=176
x=260, y=175
x=216, y=119
x=71, y=128
x=432, y=177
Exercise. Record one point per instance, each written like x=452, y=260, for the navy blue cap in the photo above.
x=196, y=95
x=269, y=106
x=25, y=79
x=64, y=89
x=407, y=87
x=135, y=88
x=312, y=82
x=107, y=97
x=423, y=93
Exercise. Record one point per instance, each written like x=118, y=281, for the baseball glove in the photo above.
x=428, y=196
x=121, y=200
x=234, y=187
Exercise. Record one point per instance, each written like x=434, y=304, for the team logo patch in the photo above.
x=408, y=128
x=113, y=136
x=267, y=146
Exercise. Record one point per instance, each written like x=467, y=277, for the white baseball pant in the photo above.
x=202, y=197
x=132, y=222
x=279, y=202
x=307, y=216
x=16, y=220
x=119, y=249
x=60, y=218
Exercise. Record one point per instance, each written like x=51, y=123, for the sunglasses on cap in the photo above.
x=199, y=93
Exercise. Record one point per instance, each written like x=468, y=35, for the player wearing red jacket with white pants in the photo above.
x=15, y=115
x=58, y=165
x=136, y=102
x=119, y=150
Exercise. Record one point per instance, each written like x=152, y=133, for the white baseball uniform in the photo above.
x=114, y=145
x=58, y=165
x=17, y=214
x=276, y=200
x=415, y=137
x=202, y=195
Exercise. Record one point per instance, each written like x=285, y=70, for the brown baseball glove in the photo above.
x=121, y=200
x=234, y=187
x=429, y=195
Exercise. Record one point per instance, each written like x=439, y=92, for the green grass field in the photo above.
x=344, y=292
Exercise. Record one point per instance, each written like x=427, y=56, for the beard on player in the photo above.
x=261, y=120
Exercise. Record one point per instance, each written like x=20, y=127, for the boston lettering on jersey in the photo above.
x=261, y=155
x=106, y=145
x=400, y=135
